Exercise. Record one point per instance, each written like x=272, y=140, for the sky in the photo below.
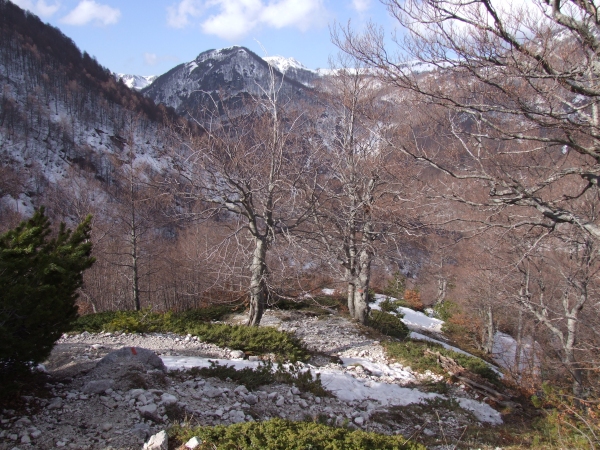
x=149, y=37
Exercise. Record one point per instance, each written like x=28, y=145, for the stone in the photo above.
x=193, y=443
x=428, y=432
x=280, y=401
x=133, y=355
x=35, y=434
x=141, y=430
x=237, y=354
x=61, y=444
x=253, y=358
x=237, y=416
x=295, y=390
x=106, y=426
x=159, y=441
x=149, y=411
x=55, y=403
x=241, y=390
x=212, y=392
x=168, y=399
x=251, y=399
x=359, y=421
x=134, y=393
x=25, y=439
x=97, y=386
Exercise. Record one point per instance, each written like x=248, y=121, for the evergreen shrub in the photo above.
x=39, y=278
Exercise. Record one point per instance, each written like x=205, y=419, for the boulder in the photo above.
x=133, y=355
x=158, y=441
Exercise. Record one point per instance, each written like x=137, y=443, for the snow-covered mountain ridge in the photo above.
x=229, y=73
x=137, y=82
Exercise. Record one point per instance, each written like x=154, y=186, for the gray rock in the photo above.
x=55, y=403
x=133, y=355
x=149, y=411
x=280, y=401
x=193, y=443
x=25, y=439
x=158, y=441
x=212, y=392
x=134, y=393
x=251, y=399
x=141, y=430
x=428, y=432
x=241, y=390
x=168, y=399
x=98, y=386
x=106, y=426
x=295, y=390
x=237, y=416
x=35, y=434
x=237, y=354
x=253, y=358
x=359, y=421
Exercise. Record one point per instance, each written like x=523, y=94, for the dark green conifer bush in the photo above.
x=39, y=278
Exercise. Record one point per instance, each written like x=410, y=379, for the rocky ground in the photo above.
x=120, y=401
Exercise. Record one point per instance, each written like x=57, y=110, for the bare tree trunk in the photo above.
x=488, y=332
x=519, y=347
x=442, y=289
x=351, y=292
x=134, y=261
x=361, y=295
x=258, y=287
x=570, y=360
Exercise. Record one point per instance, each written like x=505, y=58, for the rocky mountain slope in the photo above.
x=117, y=401
x=228, y=73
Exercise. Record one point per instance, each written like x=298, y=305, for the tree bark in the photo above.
x=258, y=285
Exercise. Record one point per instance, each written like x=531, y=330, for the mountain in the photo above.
x=136, y=82
x=232, y=73
x=63, y=115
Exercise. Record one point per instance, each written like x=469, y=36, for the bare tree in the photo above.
x=256, y=168
x=364, y=179
x=507, y=113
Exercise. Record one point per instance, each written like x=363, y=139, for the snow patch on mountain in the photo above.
x=284, y=64
x=137, y=82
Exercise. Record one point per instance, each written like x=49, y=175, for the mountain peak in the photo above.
x=283, y=64
x=136, y=82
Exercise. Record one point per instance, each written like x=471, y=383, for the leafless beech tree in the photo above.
x=258, y=170
x=363, y=180
x=518, y=91
x=509, y=114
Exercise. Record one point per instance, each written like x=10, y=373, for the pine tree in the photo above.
x=39, y=278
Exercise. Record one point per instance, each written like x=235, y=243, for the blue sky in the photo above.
x=149, y=37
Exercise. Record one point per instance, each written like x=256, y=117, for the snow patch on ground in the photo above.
x=412, y=318
x=349, y=389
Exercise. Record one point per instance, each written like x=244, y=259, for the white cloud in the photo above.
x=177, y=16
x=41, y=8
x=89, y=11
x=233, y=19
x=361, y=5
x=151, y=59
